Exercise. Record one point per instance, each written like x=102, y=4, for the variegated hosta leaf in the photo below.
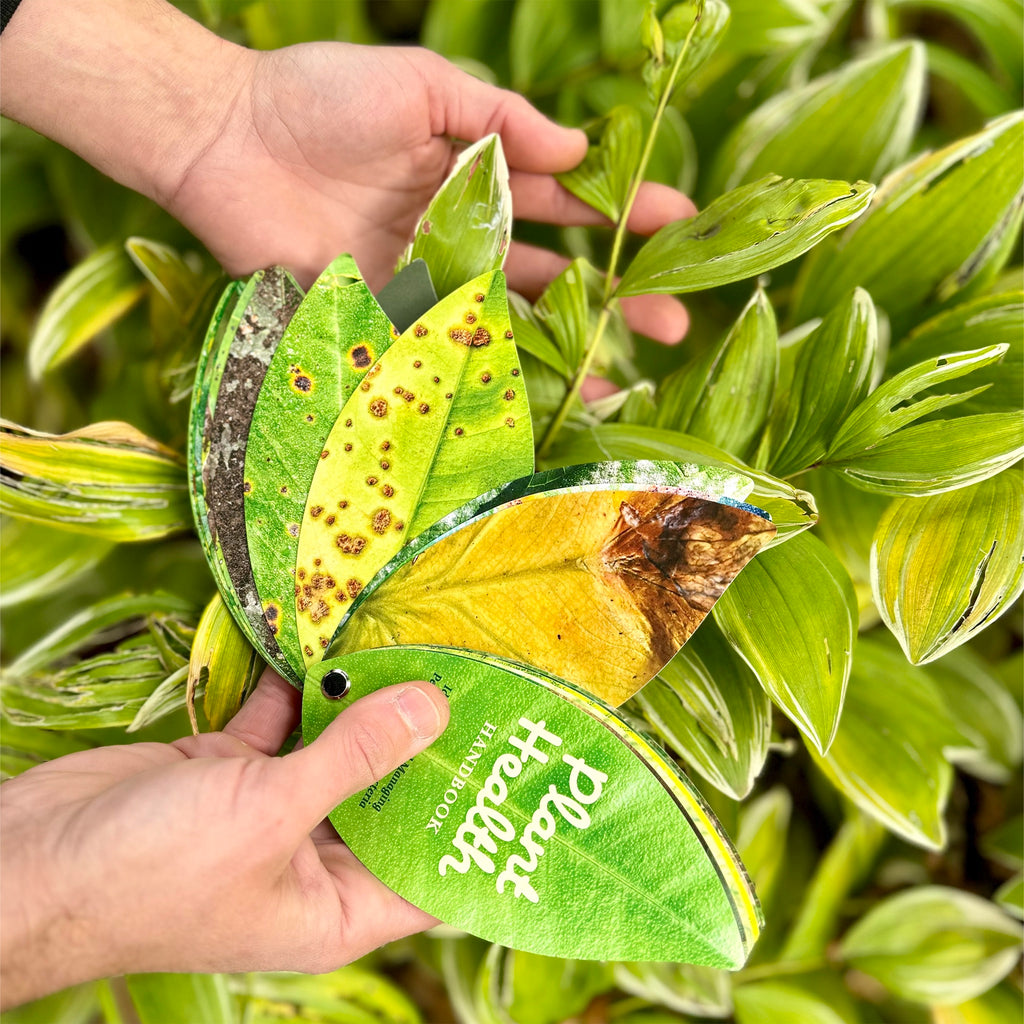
x=24, y=746
x=703, y=991
x=681, y=43
x=194, y=997
x=223, y=663
x=793, y=618
x=174, y=279
x=783, y=1002
x=752, y=229
x=945, y=567
x=709, y=708
x=930, y=223
x=466, y=229
x=107, y=479
x=94, y=294
x=242, y=338
x=888, y=756
x=933, y=944
x=337, y=333
x=600, y=579
x=441, y=418
x=761, y=838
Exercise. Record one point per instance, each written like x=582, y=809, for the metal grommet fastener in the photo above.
x=335, y=684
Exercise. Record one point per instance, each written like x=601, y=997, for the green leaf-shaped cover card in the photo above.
x=540, y=819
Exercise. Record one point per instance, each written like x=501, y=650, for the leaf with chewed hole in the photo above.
x=439, y=420
x=599, y=580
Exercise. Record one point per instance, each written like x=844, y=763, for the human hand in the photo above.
x=207, y=854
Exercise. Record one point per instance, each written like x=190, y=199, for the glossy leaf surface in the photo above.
x=888, y=755
x=337, y=333
x=934, y=944
x=677, y=893
x=945, y=567
x=793, y=618
x=599, y=578
x=440, y=419
x=467, y=226
x=745, y=232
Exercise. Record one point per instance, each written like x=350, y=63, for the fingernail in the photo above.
x=420, y=712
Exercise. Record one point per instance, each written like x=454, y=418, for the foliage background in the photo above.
x=889, y=866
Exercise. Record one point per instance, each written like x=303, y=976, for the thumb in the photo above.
x=364, y=743
x=466, y=108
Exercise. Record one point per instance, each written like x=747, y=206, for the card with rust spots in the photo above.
x=441, y=418
x=540, y=819
x=338, y=332
x=598, y=583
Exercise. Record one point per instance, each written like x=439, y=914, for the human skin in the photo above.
x=206, y=854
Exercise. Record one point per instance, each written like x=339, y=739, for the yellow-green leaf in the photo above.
x=793, y=618
x=88, y=299
x=752, y=229
x=223, y=663
x=182, y=998
x=177, y=282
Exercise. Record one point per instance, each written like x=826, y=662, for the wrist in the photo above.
x=135, y=87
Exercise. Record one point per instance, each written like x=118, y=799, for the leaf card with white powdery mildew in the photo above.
x=440, y=419
x=540, y=819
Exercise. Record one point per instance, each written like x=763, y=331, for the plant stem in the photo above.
x=558, y=420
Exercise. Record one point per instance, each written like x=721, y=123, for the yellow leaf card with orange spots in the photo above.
x=441, y=418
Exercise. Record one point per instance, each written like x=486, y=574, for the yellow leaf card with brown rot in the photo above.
x=441, y=418
x=596, y=574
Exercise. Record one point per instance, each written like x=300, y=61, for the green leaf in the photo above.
x=683, y=987
x=934, y=944
x=603, y=178
x=533, y=338
x=724, y=396
x=109, y=619
x=743, y=233
x=78, y=1005
x=1005, y=843
x=441, y=418
x=170, y=695
x=173, y=278
x=976, y=83
x=690, y=33
x=888, y=755
x=550, y=38
x=996, y=1006
x=182, y=998
x=980, y=323
x=223, y=663
x=38, y=559
x=831, y=375
x=928, y=220
x=1010, y=896
x=856, y=122
x=793, y=618
x=585, y=573
x=769, y=26
x=761, y=838
x=474, y=29
x=781, y=1002
x=938, y=456
x=706, y=704
x=620, y=30
x=682, y=897
x=792, y=510
x=87, y=300
x=107, y=480
x=349, y=994
x=24, y=746
x=564, y=309
x=466, y=228
x=945, y=567
x=896, y=402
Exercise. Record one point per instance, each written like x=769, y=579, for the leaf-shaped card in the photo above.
x=597, y=574
x=337, y=333
x=242, y=339
x=540, y=819
x=441, y=418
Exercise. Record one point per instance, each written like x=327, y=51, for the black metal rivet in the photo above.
x=335, y=684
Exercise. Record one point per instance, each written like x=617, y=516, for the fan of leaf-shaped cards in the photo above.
x=364, y=492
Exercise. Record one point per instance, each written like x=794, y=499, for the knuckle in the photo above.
x=368, y=749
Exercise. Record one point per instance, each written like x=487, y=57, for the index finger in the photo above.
x=269, y=716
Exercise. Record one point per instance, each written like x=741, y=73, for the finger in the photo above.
x=467, y=108
x=364, y=743
x=597, y=387
x=661, y=317
x=269, y=716
x=540, y=197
